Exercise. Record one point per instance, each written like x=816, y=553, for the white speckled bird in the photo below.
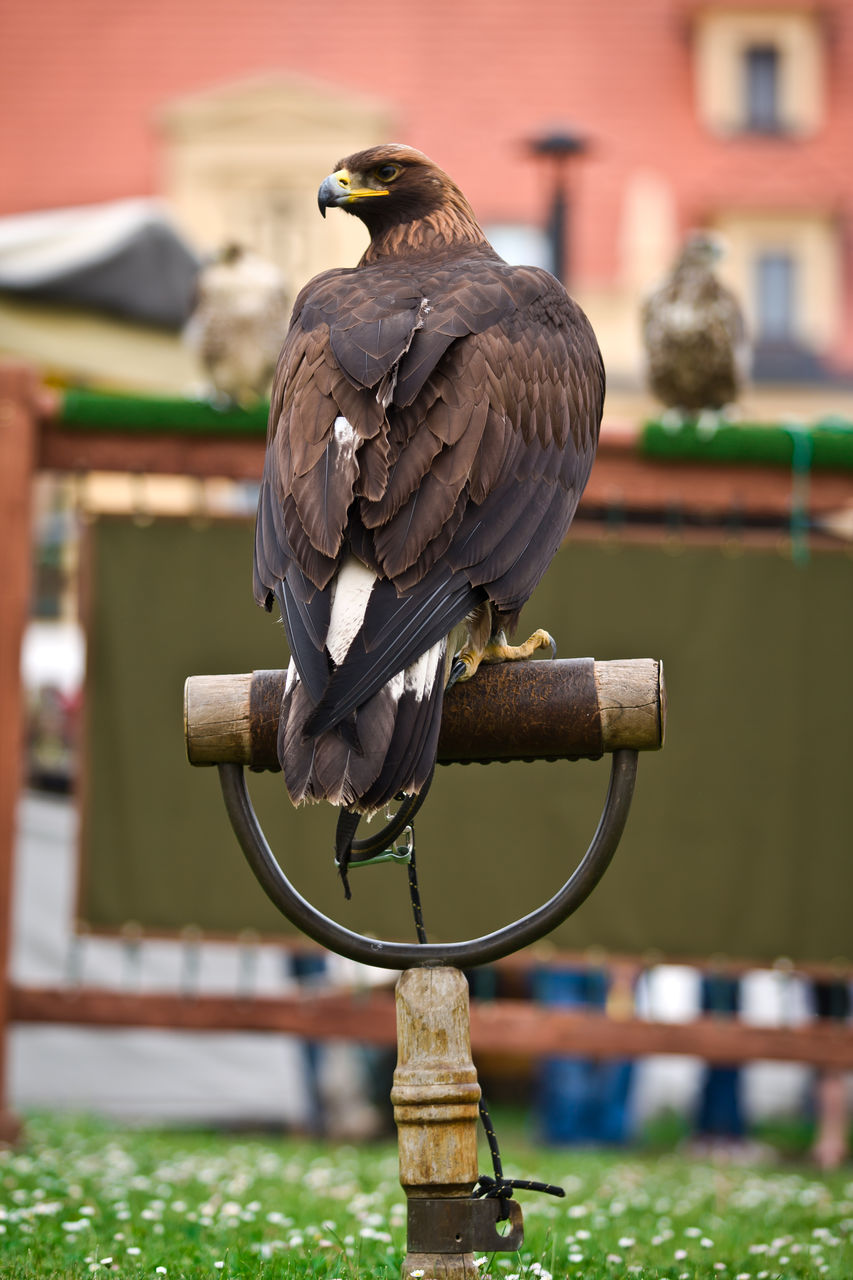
x=694, y=334
x=239, y=322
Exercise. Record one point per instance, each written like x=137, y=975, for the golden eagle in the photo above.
x=434, y=418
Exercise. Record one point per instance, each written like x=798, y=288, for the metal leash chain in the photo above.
x=415, y=893
x=486, y=1187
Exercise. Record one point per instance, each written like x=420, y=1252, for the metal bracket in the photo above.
x=399, y=852
x=461, y=1225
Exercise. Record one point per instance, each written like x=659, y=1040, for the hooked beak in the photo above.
x=339, y=189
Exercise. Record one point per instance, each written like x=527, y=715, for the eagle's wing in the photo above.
x=439, y=423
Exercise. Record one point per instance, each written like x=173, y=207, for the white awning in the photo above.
x=125, y=258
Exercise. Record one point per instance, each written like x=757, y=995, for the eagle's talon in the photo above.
x=470, y=661
x=457, y=670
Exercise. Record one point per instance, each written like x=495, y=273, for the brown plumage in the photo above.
x=694, y=334
x=433, y=422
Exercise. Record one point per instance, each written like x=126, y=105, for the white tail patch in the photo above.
x=396, y=685
x=351, y=592
x=421, y=675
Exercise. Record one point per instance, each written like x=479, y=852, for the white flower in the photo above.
x=614, y=1258
x=625, y=1242
x=134, y=1250
x=680, y=1255
x=160, y=1271
x=417, y=1274
x=706, y=1243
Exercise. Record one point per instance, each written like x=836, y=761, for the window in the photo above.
x=759, y=71
x=787, y=271
x=761, y=89
x=775, y=297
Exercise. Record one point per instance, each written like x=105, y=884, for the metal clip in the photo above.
x=462, y=1225
x=400, y=851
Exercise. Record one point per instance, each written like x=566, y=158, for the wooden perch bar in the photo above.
x=514, y=711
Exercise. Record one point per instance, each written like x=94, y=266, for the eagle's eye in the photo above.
x=388, y=172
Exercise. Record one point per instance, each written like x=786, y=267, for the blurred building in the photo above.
x=735, y=114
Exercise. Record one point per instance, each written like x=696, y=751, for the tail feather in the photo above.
x=389, y=748
x=344, y=836
x=412, y=749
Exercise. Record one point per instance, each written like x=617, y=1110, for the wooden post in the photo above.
x=18, y=409
x=435, y=1097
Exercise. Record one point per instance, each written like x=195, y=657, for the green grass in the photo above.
x=82, y=1198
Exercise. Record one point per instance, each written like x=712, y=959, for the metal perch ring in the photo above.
x=402, y=955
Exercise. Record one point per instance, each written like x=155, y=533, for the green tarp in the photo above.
x=739, y=841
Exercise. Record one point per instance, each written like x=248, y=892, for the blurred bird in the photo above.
x=238, y=323
x=694, y=334
x=434, y=418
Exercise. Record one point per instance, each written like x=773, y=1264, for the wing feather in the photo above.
x=473, y=393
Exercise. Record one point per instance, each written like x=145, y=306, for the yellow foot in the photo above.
x=499, y=651
x=468, y=659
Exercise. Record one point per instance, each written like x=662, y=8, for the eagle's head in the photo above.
x=702, y=249
x=397, y=191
